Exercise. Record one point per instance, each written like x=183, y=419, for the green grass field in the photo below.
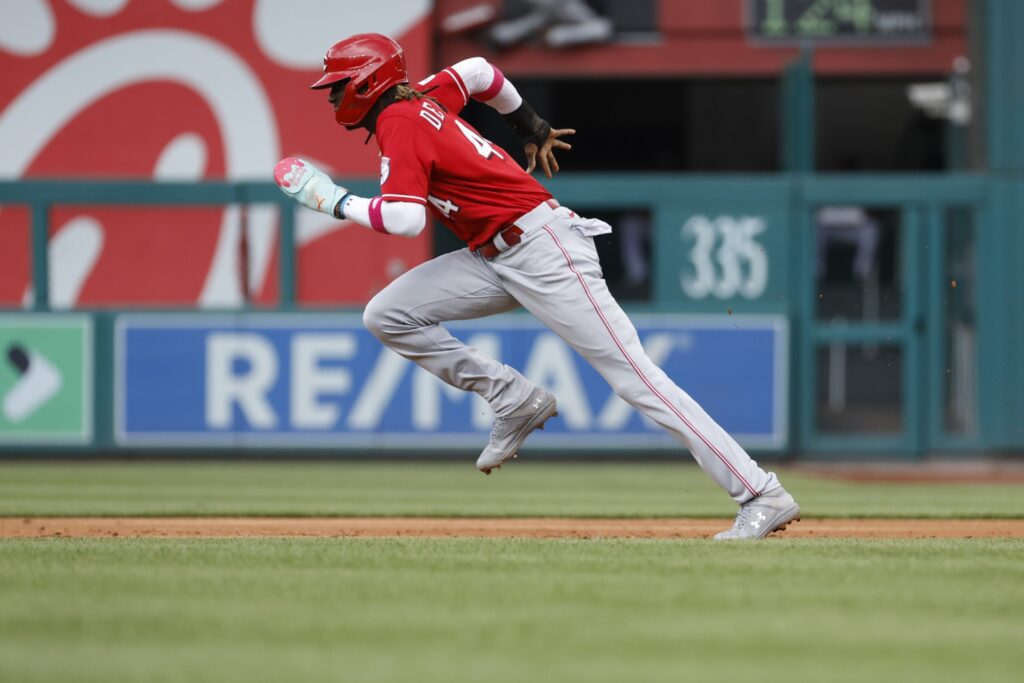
x=496, y=609
x=523, y=489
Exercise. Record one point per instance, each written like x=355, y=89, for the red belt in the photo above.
x=512, y=235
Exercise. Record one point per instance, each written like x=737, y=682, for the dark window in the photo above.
x=870, y=125
x=725, y=125
x=652, y=125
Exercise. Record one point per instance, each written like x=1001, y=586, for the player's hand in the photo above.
x=545, y=156
x=308, y=185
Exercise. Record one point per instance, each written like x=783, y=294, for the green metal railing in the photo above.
x=41, y=195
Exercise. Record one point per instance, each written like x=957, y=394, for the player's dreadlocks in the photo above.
x=395, y=93
x=403, y=92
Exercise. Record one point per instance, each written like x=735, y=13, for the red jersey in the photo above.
x=431, y=156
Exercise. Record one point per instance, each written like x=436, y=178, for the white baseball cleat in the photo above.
x=510, y=431
x=757, y=518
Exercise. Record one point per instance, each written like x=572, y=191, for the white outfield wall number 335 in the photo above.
x=726, y=257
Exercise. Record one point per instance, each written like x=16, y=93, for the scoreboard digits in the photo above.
x=841, y=21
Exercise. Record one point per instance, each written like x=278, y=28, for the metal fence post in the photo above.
x=40, y=256
x=286, y=274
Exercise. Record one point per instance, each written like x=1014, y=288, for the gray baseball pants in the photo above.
x=554, y=273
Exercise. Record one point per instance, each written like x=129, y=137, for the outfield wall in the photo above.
x=930, y=367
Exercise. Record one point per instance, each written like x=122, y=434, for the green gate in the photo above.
x=888, y=352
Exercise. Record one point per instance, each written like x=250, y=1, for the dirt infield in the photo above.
x=391, y=527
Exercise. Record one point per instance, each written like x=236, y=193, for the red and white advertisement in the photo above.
x=187, y=90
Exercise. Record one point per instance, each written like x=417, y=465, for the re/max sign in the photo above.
x=322, y=380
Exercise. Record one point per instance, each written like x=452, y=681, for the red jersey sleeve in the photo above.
x=447, y=88
x=407, y=158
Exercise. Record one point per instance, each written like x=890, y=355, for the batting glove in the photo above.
x=308, y=185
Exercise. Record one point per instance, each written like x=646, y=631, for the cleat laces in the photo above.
x=501, y=427
x=744, y=516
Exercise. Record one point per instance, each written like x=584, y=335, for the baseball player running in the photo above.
x=523, y=249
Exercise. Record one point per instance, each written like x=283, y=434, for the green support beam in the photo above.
x=798, y=114
x=1001, y=278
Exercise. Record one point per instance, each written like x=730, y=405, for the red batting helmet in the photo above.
x=372, y=62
